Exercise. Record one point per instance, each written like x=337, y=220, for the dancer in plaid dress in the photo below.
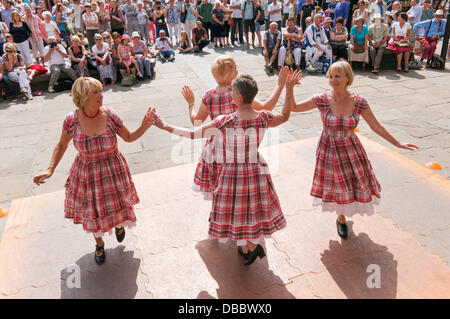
x=344, y=180
x=100, y=193
x=217, y=102
x=245, y=206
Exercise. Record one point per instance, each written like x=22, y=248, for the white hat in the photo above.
x=439, y=12
x=135, y=34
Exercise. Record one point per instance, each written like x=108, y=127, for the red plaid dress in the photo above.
x=344, y=180
x=206, y=172
x=245, y=205
x=100, y=193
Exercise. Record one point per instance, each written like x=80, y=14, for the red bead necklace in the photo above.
x=91, y=117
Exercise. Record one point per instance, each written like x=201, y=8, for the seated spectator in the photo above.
x=78, y=57
x=271, y=44
x=9, y=39
x=141, y=54
x=115, y=53
x=432, y=30
x=164, y=47
x=199, y=37
x=293, y=34
x=399, y=42
x=316, y=41
x=15, y=69
x=338, y=36
x=3, y=31
x=49, y=28
x=126, y=57
x=103, y=59
x=327, y=26
x=4, y=77
x=35, y=69
x=185, y=45
x=378, y=38
x=107, y=38
x=55, y=54
x=359, y=50
x=84, y=41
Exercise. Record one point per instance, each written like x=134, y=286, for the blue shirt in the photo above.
x=190, y=15
x=332, y=7
x=359, y=37
x=248, y=9
x=341, y=11
x=300, y=4
x=380, y=5
x=433, y=28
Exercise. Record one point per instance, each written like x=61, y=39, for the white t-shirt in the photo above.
x=50, y=30
x=276, y=16
x=286, y=5
x=105, y=47
x=237, y=13
x=401, y=31
x=55, y=58
x=164, y=44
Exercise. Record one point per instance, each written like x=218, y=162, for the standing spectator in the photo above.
x=78, y=57
x=159, y=15
x=433, y=29
x=383, y=8
x=236, y=6
x=90, y=21
x=173, y=13
x=428, y=11
x=342, y=10
x=103, y=59
x=143, y=21
x=77, y=10
x=205, y=12
x=199, y=38
x=130, y=12
x=331, y=8
x=378, y=38
x=49, y=28
x=36, y=36
x=275, y=13
x=226, y=18
x=15, y=69
x=249, y=20
x=271, y=44
x=399, y=43
x=259, y=20
x=217, y=24
x=4, y=78
x=300, y=4
x=414, y=16
x=191, y=15
x=7, y=11
x=316, y=41
x=373, y=9
x=116, y=18
x=55, y=54
x=164, y=47
x=338, y=36
x=285, y=12
x=141, y=54
x=305, y=12
x=151, y=26
x=21, y=32
x=292, y=9
x=103, y=18
x=294, y=34
x=361, y=12
x=61, y=22
x=359, y=50
x=39, y=12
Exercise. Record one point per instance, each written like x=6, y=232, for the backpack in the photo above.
x=437, y=62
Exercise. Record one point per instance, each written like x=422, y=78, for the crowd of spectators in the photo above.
x=121, y=38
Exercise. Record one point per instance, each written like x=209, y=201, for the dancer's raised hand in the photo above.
x=283, y=76
x=188, y=94
x=293, y=79
x=147, y=121
x=157, y=121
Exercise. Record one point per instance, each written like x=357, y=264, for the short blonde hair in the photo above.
x=222, y=67
x=15, y=13
x=75, y=38
x=342, y=67
x=81, y=88
x=10, y=47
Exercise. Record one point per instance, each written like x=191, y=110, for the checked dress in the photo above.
x=100, y=193
x=245, y=205
x=344, y=180
x=206, y=172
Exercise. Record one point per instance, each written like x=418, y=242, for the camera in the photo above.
x=53, y=45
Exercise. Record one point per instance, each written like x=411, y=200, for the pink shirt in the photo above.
x=34, y=24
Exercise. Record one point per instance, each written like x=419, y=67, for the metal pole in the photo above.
x=446, y=37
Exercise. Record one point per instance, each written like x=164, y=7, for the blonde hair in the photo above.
x=342, y=67
x=222, y=67
x=75, y=38
x=13, y=20
x=81, y=88
x=10, y=47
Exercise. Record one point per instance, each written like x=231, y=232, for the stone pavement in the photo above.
x=168, y=255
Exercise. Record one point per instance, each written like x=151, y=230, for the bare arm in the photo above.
x=369, y=117
x=130, y=137
x=195, y=116
x=270, y=103
x=304, y=105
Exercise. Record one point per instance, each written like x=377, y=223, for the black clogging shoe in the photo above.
x=100, y=259
x=121, y=236
x=241, y=252
x=342, y=230
x=252, y=255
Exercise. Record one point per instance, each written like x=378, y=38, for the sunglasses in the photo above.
x=104, y=38
x=98, y=39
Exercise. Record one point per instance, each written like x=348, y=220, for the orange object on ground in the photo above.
x=4, y=212
x=433, y=165
x=356, y=130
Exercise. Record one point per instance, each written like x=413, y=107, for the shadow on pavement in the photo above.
x=116, y=278
x=236, y=280
x=347, y=263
